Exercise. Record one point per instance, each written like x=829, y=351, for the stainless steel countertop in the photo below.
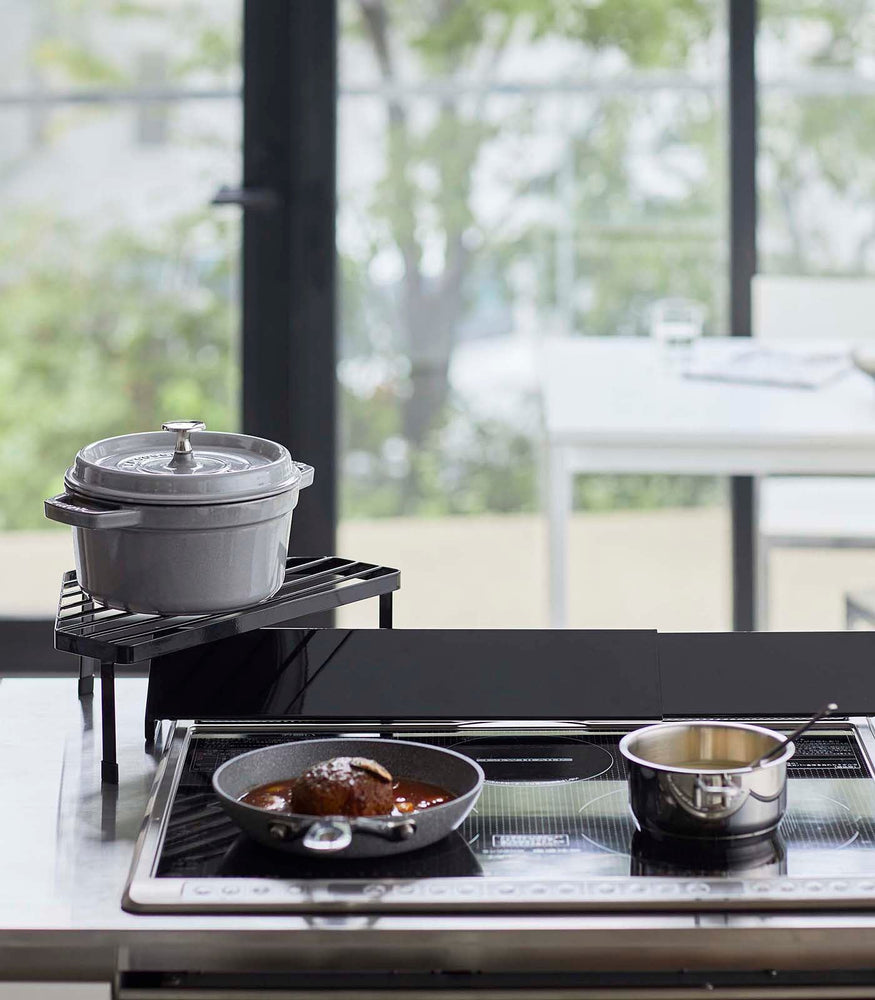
x=66, y=846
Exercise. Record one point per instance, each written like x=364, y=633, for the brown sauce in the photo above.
x=410, y=796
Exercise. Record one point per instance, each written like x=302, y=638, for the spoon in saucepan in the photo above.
x=778, y=747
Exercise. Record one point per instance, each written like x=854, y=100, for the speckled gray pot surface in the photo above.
x=357, y=837
x=199, y=565
x=180, y=527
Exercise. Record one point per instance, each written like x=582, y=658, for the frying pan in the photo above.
x=355, y=836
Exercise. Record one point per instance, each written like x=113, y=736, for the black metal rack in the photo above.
x=105, y=637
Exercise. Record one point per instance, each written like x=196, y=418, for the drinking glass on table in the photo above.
x=676, y=324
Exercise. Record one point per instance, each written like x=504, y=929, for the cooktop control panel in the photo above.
x=453, y=894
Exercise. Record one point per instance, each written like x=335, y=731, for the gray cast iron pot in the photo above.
x=355, y=837
x=178, y=560
x=175, y=528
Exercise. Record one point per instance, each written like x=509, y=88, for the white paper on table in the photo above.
x=770, y=366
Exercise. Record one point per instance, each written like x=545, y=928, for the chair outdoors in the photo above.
x=860, y=610
x=810, y=511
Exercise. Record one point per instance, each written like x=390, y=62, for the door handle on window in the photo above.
x=255, y=198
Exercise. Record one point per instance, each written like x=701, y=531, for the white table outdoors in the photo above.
x=621, y=405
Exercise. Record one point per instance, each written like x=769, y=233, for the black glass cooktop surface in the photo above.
x=554, y=811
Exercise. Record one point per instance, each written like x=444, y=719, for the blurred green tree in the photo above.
x=109, y=326
x=107, y=335
x=817, y=138
x=434, y=146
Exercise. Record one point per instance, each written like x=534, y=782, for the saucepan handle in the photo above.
x=709, y=801
x=84, y=513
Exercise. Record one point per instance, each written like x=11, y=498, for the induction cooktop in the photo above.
x=552, y=830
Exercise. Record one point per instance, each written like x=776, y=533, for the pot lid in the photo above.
x=170, y=466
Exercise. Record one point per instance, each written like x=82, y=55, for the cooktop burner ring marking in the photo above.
x=604, y=848
x=795, y=811
x=852, y=820
x=506, y=752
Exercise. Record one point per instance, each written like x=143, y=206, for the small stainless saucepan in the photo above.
x=350, y=837
x=693, y=779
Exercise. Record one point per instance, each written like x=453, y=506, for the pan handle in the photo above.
x=334, y=833
x=392, y=829
x=328, y=836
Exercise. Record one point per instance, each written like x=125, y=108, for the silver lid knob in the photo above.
x=182, y=429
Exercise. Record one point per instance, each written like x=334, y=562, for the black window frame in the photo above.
x=742, y=15
x=289, y=256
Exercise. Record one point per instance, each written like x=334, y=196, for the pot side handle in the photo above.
x=306, y=475
x=82, y=513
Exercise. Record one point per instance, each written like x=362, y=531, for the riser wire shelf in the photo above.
x=104, y=637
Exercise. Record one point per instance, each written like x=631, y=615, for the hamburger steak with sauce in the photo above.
x=347, y=786
x=342, y=786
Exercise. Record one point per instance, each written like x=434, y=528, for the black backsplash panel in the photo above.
x=766, y=674
x=514, y=674
x=412, y=674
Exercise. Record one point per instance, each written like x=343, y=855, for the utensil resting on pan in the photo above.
x=769, y=754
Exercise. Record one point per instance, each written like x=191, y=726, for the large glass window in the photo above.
x=118, y=280
x=509, y=173
x=816, y=248
x=816, y=172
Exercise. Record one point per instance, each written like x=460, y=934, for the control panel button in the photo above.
x=666, y=889
x=698, y=888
